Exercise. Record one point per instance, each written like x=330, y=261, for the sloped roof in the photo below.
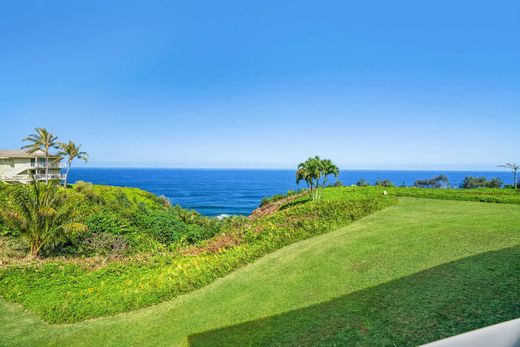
x=21, y=153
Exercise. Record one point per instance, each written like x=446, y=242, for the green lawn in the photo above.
x=412, y=273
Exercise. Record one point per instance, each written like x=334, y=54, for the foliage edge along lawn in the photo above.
x=412, y=273
x=68, y=291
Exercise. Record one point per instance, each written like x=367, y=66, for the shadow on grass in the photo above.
x=295, y=203
x=439, y=302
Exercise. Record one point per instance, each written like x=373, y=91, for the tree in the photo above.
x=315, y=172
x=41, y=213
x=471, y=182
x=514, y=168
x=362, y=183
x=44, y=141
x=384, y=183
x=71, y=151
x=436, y=182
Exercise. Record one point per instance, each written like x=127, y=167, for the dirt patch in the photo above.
x=272, y=207
x=218, y=243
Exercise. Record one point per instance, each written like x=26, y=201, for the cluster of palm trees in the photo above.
x=315, y=171
x=43, y=213
x=43, y=140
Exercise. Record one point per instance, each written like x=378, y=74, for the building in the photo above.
x=21, y=166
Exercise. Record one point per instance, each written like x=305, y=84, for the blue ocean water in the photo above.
x=213, y=192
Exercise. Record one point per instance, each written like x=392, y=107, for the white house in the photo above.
x=20, y=166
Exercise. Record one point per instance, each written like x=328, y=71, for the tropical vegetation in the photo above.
x=416, y=272
x=315, y=172
x=440, y=181
x=170, y=254
x=42, y=140
x=471, y=182
x=71, y=151
x=83, y=251
x=41, y=214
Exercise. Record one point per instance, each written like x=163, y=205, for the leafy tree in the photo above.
x=315, y=171
x=495, y=183
x=43, y=141
x=362, y=183
x=514, y=168
x=481, y=182
x=71, y=151
x=384, y=183
x=41, y=213
x=436, y=182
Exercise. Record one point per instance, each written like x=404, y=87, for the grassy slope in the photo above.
x=67, y=292
x=358, y=284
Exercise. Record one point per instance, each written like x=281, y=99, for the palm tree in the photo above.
x=514, y=168
x=315, y=171
x=328, y=168
x=71, y=152
x=44, y=141
x=41, y=213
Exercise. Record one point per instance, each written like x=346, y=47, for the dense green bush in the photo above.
x=166, y=227
x=362, y=183
x=106, y=222
x=435, y=182
x=384, y=183
x=124, y=211
x=471, y=182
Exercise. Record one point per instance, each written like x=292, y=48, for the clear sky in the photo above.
x=369, y=84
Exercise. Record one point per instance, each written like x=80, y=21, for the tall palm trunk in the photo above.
x=47, y=167
x=67, y=174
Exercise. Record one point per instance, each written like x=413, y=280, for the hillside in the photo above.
x=135, y=254
x=412, y=273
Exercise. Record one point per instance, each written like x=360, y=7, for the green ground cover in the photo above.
x=70, y=291
x=409, y=274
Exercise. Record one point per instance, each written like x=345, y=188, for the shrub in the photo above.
x=384, y=183
x=481, y=182
x=107, y=222
x=436, y=182
x=166, y=227
x=104, y=243
x=362, y=183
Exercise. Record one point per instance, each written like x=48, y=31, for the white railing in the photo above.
x=50, y=177
x=52, y=165
x=28, y=178
x=20, y=169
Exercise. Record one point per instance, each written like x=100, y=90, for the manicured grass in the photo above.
x=412, y=273
x=495, y=195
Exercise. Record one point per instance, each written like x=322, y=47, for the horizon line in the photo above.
x=270, y=168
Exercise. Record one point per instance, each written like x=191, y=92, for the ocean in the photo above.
x=214, y=192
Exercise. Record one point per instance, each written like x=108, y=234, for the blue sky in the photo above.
x=369, y=84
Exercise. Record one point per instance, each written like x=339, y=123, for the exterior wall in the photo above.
x=20, y=169
x=3, y=166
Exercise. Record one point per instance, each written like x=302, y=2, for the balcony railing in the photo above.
x=28, y=178
x=50, y=177
x=41, y=165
